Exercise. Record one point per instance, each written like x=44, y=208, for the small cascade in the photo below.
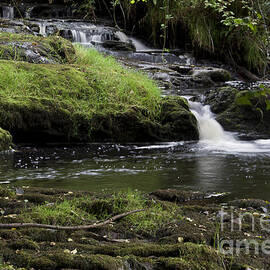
x=214, y=138
x=8, y=12
x=79, y=36
x=140, y=46
x=209, y=128
x=42, y=29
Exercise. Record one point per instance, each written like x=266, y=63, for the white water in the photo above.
x=8, y=12
x=42, y=28
x=79, y=36
x=139, y=45
x=214, y=138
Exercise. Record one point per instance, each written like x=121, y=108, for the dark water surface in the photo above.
x=145, y=167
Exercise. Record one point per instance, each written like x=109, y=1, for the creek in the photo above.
x=219, y=162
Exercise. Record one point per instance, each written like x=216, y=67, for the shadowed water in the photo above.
x=144, y=167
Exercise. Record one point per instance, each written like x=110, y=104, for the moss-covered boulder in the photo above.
x=86, y=98
x=177, y=120
x=5, y=140
x=245, y=111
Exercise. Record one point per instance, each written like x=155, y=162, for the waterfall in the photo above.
x=42, y=29
x=209, y=128
x=214, y=138
x=139, y=45
x=79, y=36
x=8, y=12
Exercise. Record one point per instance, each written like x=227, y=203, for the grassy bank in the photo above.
x=181, y=231
x=82, y=96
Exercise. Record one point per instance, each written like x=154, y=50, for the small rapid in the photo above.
x=214, y=138
x=7, y=12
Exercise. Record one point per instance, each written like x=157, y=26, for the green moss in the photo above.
x=5, y=140
x=54, y=48
x=243, y=98
x=62, y=213
x=49, y=249
x=24, y=244
x=6, y=191
x=68, y=102
x=83, y=210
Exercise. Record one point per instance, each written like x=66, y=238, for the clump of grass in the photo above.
x=85, y=210
x=61, y=213
x=156, y=215
x=127, y=86
x=6, y=191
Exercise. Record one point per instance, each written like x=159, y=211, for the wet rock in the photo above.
x=245, y=111
x=5, y=140
x=177, y=120
x=220, y=99
x=14, y=26
x=209, y=74
x=174, y=195
x=181, y=69
x=36, y=50
x=118, y=45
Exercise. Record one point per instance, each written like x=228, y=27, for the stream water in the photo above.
x=219, y=162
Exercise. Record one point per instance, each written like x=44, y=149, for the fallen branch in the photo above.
x=73, y=228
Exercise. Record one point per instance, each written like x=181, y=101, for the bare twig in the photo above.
x=70, y=228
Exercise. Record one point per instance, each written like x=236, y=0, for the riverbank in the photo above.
x=175, y=230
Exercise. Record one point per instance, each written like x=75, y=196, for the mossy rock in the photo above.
x=5, y=140
x=245, y=111
x=209, y=75
x=35, y=49
x=92, y=102
x=254, y=203
x=178, y=120
x=174, y=195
